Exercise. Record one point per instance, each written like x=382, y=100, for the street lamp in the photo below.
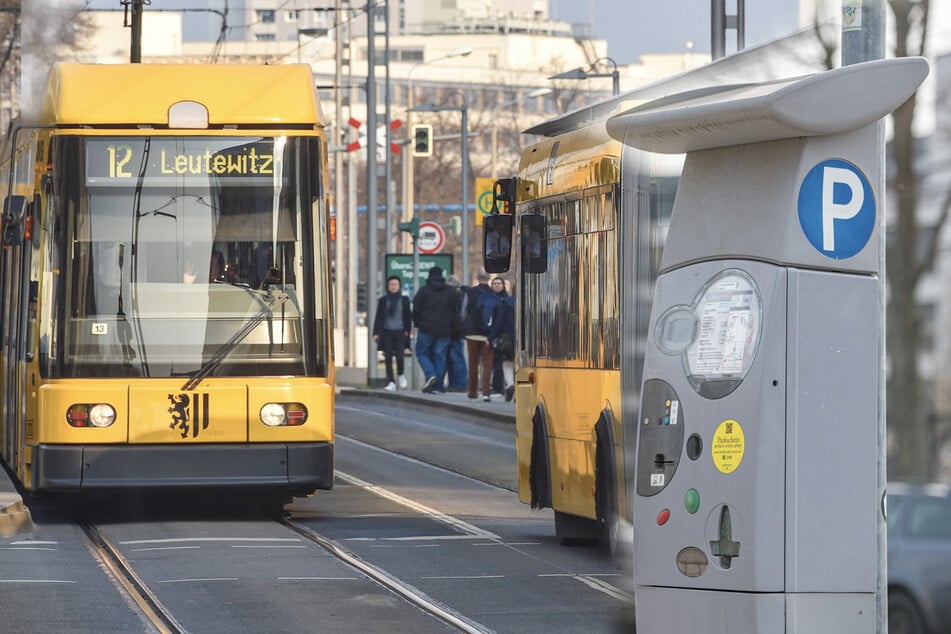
x=408, y=175
x=581, y=73
x=538, y=92
x=464, y=110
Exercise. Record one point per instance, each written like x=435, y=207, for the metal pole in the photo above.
x=388, y=169
x=860, y=45
x=353, y=250
x=465, y=193
x=339, y=312
x=717, y=28
x=372, y=202
x=408, y=163
x=135, y=55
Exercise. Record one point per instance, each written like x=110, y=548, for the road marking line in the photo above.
x=35, y=581
x=266, y=546
x=605, y=587
x=142, y=550
x=459, y=525
x=413, y=538
x=318, y=579
x=468, y=577
x=199, y=580
x=176, y=540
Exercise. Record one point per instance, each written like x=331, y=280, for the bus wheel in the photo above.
x=540, y=466
x=606, y=492
x=572, y=530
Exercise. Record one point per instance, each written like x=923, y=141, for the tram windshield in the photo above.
x=183, y=256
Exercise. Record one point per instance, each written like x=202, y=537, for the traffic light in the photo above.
x=361, y=297
x=423, y=140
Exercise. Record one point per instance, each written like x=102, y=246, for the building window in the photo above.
x=265, y=16
x=292, y=16
x=265, y=37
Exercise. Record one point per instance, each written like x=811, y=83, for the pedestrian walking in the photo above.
x=433, y=308
x=478, y=316
x=392, y=326
x=456, y=370
x=502, y=340
x=498, y=383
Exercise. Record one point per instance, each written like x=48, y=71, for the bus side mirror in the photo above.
x=14, y=215
x=497, y=243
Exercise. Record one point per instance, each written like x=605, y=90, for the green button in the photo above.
x=692, y=501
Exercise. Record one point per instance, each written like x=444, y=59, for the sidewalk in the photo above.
x=498, y=410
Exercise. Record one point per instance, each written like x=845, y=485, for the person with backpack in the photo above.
x=502, y=340
x=477, y=337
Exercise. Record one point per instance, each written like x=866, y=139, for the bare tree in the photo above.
x=911, y=253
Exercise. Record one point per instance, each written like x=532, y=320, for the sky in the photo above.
x=635, y=27
x=631, y=27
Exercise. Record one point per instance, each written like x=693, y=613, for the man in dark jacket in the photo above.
x=433, y=308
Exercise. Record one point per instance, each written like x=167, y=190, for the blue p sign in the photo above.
x=836, y=209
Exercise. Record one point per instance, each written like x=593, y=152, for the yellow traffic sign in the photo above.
x=483, y=197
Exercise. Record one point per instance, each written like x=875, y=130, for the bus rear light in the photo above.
x=296, y=414
x=91, y=415
x=283, y=414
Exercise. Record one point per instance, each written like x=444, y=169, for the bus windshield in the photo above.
x=171, y=256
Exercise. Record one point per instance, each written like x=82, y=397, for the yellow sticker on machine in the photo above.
x=728, y=446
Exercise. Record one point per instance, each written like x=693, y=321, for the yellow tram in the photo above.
x=165, y=274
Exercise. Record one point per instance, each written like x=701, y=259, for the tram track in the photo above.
x=137, y=591
x=394, y=585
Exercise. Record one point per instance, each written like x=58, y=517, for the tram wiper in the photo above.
x=232, y=343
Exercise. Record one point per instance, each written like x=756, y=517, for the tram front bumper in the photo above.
x=299, y=469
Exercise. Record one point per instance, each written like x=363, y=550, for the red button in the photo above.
x=663, y=516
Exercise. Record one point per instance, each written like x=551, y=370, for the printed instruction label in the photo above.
x=728, y=446
x=725, y=322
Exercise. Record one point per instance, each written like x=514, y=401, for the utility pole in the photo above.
x=720, y=22
x=135, y=55
x=863, y=39
x=372, y=202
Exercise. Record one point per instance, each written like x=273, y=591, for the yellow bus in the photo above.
x=165, y=275
x=587, y=217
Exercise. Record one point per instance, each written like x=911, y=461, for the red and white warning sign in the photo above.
x=431, y=238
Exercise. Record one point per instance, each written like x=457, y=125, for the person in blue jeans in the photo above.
x=433, y=308
x=456, y=370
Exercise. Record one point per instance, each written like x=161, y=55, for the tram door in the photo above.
x=14, y=277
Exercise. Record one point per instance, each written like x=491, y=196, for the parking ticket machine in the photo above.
x=757, y=501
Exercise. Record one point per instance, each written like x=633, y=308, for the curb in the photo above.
x=475, y=410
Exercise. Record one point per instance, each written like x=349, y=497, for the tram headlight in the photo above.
x=102, y=415
x=283, y=414
x=91, y=415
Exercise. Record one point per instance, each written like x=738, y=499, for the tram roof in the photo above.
x=141, y=94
